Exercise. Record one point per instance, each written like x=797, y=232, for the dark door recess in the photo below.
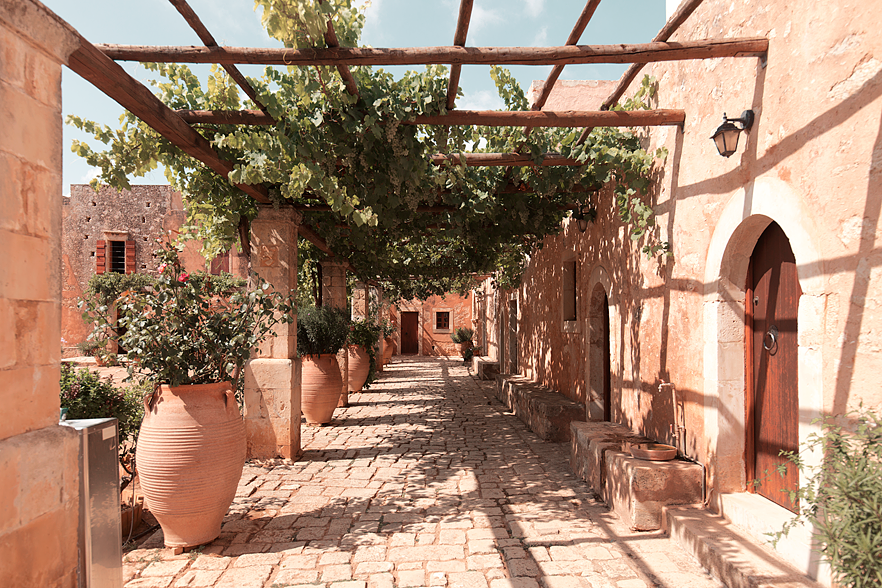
x=772, y=405
x=410, y=343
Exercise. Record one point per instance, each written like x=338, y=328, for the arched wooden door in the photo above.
x=772, y=405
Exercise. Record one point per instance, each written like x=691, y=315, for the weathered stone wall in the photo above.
x=812, y=163
x=144, y=214
x=38, y=459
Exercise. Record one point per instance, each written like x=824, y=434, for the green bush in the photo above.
x=90, y=347
x=842, y=497
x=87, y=396
x=462, y=334
x=321, y=329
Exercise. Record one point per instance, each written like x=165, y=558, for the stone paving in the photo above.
x=424, y=480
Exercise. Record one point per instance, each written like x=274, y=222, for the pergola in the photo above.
x=97, y=64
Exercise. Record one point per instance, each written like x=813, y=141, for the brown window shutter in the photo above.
x=130, y=257
x=100, y=256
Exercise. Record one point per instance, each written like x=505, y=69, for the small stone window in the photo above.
x=442, y=321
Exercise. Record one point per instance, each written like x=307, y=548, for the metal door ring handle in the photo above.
x=772, y=336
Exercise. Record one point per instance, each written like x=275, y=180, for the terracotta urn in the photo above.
x=388, y=350
x=359, y=367
x=321, y=386
x=190, y=454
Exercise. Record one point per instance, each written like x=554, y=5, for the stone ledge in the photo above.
x=636, y=489
x=729, y=554
x=546, y=412
x=485, y=368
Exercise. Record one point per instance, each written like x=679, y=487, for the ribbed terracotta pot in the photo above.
x=359, y=367
x=320, y=387
x=190, y=454
x=388, y=349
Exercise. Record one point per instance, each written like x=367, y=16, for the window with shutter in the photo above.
x=100, y=256
x=130, y=257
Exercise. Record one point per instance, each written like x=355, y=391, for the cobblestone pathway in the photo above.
x=423, y=481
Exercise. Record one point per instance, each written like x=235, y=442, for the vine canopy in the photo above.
x=416, y=228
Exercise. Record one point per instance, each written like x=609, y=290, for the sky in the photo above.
x=389, y=23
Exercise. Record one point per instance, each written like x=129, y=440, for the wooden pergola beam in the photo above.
x=573, y=39
x=678, y=18
x=503, y=160
x=577, y=54
x=206, y=37
x=96, y=68
x=459, y=39
x=485, y=118
x=348, y=79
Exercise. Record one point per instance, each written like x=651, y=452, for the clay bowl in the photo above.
x=654, y=451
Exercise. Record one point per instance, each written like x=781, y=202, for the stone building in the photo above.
x=424, y=328
x=774, y=253
x=112, y=231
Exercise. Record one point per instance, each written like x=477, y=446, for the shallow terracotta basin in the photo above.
x=654, y=451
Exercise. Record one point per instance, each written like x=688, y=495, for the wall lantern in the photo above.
x=726, y=135
x=583, y=215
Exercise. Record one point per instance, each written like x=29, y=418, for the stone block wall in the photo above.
x=144, y=215
x=38, y=459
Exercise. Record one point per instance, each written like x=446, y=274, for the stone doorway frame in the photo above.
x=746, y=215
x=600, y=283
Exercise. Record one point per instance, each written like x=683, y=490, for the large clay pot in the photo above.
x=190, y=454
x=320, y=387
x=359, y=367
x=388, y=350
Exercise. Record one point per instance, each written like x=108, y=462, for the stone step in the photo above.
x=547, y=412
x=730, y=554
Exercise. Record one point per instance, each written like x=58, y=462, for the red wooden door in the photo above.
x=607, y=377
x=772, y=393
x=410, y=343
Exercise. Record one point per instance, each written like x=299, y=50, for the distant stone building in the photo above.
x=424, y=328
x=112, y=231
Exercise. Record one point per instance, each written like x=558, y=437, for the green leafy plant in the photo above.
x=181, y=331
x=378, y=200
x=86, y=396
x=90, y=347
x=107, y=287
x=321, y=330
x=841, y=498
x=462, y=335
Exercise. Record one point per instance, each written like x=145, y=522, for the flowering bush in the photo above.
x=181, y=331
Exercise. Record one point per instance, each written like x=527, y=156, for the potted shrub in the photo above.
x=84, y=395
x=364, y=337
x=192, y=340
x=321, y=333
x=388, y=341
x=463, y=337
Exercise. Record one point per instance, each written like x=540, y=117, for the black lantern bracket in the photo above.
x=726, y=135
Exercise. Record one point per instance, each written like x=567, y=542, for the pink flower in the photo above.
x=162, y=267
x=183, y=277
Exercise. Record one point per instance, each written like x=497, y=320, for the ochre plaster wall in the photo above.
x=812, y=163
x=436, y=342
x=38, y=459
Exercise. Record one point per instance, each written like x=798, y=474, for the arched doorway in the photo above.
x=599, y=350
x=771, y=374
